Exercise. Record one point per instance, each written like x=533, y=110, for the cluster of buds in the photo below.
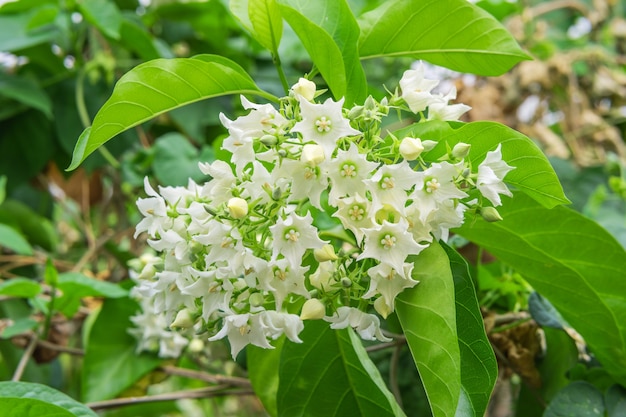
x=315, y=217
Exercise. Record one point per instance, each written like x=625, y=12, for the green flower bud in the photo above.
x=461, y=150
x=490, y=214
x=325, y=253
x=346, y=282
x=268, y=140
x=257, y=299
x=183, y=320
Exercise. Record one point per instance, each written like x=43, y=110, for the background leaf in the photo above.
x=13, y=240
x=104, y=15
x=111, y=362
x=176, y=160
x=331, y=375
x=25, y=91
x=479, y=369
x=452, y=33
x=157, y=86
x=43, y=393
x=533, y=173
x=428, y=318
x=329, y=32
x=75, y=286
x=574, y=263
x=20, y=287
x=578, y=399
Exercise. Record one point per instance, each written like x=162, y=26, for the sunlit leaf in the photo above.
x=20, y=287
x=267, y=22
x=12, y=239
x=329, y=33
x=331, y=375
x=24, y=395
x=452, y=33
x=158, y=86
x=577, y=265
x=533, y=173
x=428, y=317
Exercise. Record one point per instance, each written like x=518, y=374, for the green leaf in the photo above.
x=12, y=239
x=25, y=91
x=428, y=318
x=111, y=363
x=479, y=368
x=578, y=399
x=577, y=265
x=533, y=173
x=329, y=32
x=19, y=326
x=452, y=33
x=104, y=15
x=19, y=287
x=615, y=401
x=267, y=23
x=175, y=160
x=29, y=407
x=158, y=86
x=16, y=35
x=239, y=9
x=263, y=367
x=75, y=286
x=31, y=391
x=330, y=375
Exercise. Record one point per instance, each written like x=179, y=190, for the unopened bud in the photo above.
x=256, y=299
x=269, y=140
x=304, y=88
x=320, y=279
x=277, y=193
x=183, y=320
x=380, y=305
x=196, y=346
x=237, y=207
x=325, y=253
x=461, y=150
x=346, y=282
x=411, y=148
x=490, y=214
x=429, y=144
x=370, y=103
x=312, y=155
x=210, y=210
x=312, y=309
x=355, y=112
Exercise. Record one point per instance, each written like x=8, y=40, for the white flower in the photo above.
x=312, y=155
x=389, y=185
x=219, y=188
x=416, y=89
x=439, y=109
x=293, y=236
x=386, y=281
x=242, y=329
x=154, y=210
x=275, y=324
x=366, y=325
x=324, y=124
x=347, y=172
x=283, y=279
x=355, y=215
x=436, y=185
x=306, y=181
x=491, y=172
x=321, y=278
x=390, y=244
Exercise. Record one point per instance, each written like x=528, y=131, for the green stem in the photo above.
x=281, y=72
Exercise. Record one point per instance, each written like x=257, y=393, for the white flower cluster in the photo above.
x=244, y=258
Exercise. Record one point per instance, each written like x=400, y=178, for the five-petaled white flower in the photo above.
x=293, y=236
x=490, y=174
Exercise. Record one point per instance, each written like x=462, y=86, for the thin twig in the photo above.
x=28, y=352
x=58, y=348
x=393, y=374
x=203, y=376
x=217, y=391
x=382, y=346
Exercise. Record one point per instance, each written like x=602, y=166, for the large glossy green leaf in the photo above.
x=329, y=32
x=30, y=407
x=577, y=265
x=25, y=91
x=533, y=173
x=331, y=375
x=26, y=391
x=111, y=362
x=263, y=373
x=428, y=317
x=267, y=22
x=158, y=86
x=479, y=369
x=452, y=33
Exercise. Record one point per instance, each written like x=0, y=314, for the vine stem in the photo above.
x=217, y=391
x=21, y=366
x=203, y=376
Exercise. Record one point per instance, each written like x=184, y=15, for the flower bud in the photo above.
x=411, y=148
x=183, y=319
x=370, y=103
x=196, y=345
x=429, y=144
x=346, y=282
x=312, y=155
x=490, y=214
x=237, y=207
x=461, y=150
x=355, y=112
x=269, y=140
x=325, y=253
x=312, y=309
x=256, y=299
x=320, y=279
x=381, y=307
x=304, y=88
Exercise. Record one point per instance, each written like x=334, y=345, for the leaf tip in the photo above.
x=79, y=153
